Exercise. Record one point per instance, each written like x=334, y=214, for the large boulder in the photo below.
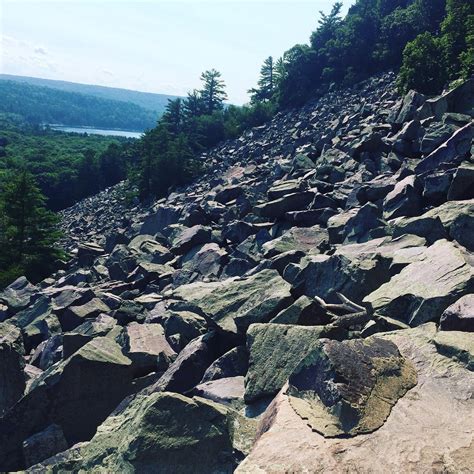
x=234, y=304
x=429, y=429
x=459, y=316
x=462, y=186
x=12, y=377
x=19, y=295
x=425, y=288
x=275, y=351
x=76, y=394
x=161, y=432
x=349, y=388
x=290, y=202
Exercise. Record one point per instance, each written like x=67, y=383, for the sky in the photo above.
x=153, y=46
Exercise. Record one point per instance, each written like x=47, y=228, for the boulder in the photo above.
x=12, y=378
x=146, y=346
x=20, y=294
x=290, y=202
x=234, y=304
x=77, y=395
x=232, y=364
x=450, y=153
x=73, y=316
x=425, y=288
x=459, y=316
x=307, y=239
x=162, y=218
x=456, y=345
x=404, y=199
x=275, y=350
x=228, y=391
x=44, y=444
x=349, y=388
x=87, y=252
x=189, y=237
x=189, y=367
x=161, y=432
x=417, y=436
x=462, y=186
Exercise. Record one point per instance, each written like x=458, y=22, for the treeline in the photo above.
x=46, y=105
x=67, y=166
x=431, y=40
x=169, y=152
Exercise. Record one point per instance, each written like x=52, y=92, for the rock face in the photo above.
x=315, y=283
x=350, y=387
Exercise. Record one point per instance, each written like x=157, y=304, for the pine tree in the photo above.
x=266, y=82
x=213, y=92
x=28, y=231
x=174, y=115
x=193, y=105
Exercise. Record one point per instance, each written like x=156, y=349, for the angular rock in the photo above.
x=73, y=316
x=404, y=199
x=459, y=316
x=425, y=288
x=232, y=364
x=234, y=304
x=19, y=295
x=43, y=445
x=275, y=351
x=457, y=345
x=291, y=202
x=189, y=237
x=147, y=348
x=12, y=378
x=462, y=186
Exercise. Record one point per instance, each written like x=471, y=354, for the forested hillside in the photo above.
x=150, y=101
x=67, y=166
x=45, y=105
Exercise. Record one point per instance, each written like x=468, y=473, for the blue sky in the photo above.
x=156, y=45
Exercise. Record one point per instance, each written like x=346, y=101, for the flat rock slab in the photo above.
x=424, y=289
x=430, y=429
x=349, y=387
x=234, y=304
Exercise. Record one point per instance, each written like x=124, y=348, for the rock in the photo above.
x=162, y=218
x=145, y=248
x=291, y=202
x=189, y=367
x=304, y=311
x=234, y=304
x=440, y=401
x=143, y=437
x=73, y=316
x=436, y=186
x=43, y=445
x=310, y=240
x=147, y=348
x=19, y=295
x=459, y=316
x=429, y=227
x=77, y=394
x=462, y=186
x=275, y=351
x=411, y=102
x=326, y=275
x=232, y=364
x=456, y=345
x=404, y=199
x=12, y=378
x=364, y=223
x=425, y=288
x=207, y=260
x=228, y=391
x=189, y=237
x=451, y=152
x=48, y=352
x=349, y=388
x=88, y=252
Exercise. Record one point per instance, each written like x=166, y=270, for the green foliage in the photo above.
x=213, y=92
x=45, y=105
x=28, y=231
x=423, y=67
x=429, y=62
x=267, y=83
x=67, y=166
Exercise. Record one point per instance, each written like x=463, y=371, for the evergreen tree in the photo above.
x=266, y=82
x=213, y=92
x=28, y=231
x=87, y=175
x=193, y=105
x=174, y=115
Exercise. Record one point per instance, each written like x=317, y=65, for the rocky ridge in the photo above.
x=305, y=305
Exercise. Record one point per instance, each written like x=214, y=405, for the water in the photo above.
x=97, y=131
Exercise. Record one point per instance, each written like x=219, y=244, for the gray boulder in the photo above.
x=459, y=316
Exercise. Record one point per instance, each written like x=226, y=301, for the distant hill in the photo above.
x=154, y=102
x=38, y=104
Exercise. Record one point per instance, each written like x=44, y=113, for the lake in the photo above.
x=97, y=131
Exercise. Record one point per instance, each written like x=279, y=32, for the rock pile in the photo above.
x=306, y=305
